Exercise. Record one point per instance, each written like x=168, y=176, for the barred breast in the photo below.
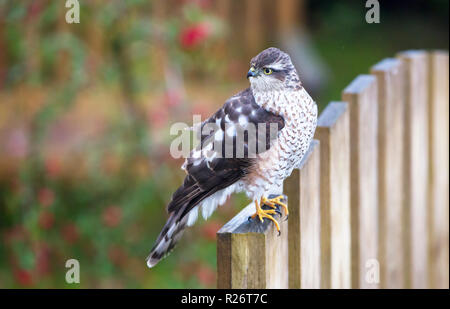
x=273, y=166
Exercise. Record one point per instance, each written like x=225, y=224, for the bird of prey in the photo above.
x=275, y=97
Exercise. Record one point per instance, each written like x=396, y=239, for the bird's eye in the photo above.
x=267, y=71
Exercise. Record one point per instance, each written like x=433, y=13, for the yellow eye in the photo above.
x=267, y=71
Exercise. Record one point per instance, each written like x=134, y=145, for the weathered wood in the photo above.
x=362, y=97
x=250, y=254
x=383, y=162
x=303, y=190
x=390, y=74
x=333, y=133
x=416, y=166
x=439, y=169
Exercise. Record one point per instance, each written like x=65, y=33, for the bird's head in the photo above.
x=272, y=70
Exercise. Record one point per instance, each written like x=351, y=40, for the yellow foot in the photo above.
x=265, y=213
x=273, y=202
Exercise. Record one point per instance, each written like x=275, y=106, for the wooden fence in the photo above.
x=369, y=206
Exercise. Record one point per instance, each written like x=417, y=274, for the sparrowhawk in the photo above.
x=275, y=97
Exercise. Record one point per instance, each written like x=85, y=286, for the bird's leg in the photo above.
x=265, y=213
x=273, y=202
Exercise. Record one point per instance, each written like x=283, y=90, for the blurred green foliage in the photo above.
x=350, y=46
x=101, y=202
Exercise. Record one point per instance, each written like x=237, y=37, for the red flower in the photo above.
x=172, y=98
x=53, y=166
x=112, y=216
x=206, y=275
x=15, y=234
x=34, y=10
x=194, y=35
x=23, y=277
x=46, y=197
x=70, y=233
x=46, y=220
x=117, y=255
x=42, y=259
x=210, y=229
x=158, y=117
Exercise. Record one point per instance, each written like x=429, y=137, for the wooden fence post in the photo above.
x=439, y=169
x=416, y=166
x=383, y=161
x=362, y=97
x=250, y=254
x=390, y=74
x=333, y=133
x=303, y=190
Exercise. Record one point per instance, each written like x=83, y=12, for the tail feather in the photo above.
x=183, y=201
x=167, y=239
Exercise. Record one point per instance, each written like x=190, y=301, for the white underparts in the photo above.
x=275, y=165
x=210, y=204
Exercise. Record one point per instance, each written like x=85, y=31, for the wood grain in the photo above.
x=439, y=169
x=390, y=74
x=362, y=96
x=374, y=187
x=333, y=133
x=416, y=167
x=251, y=255
x=303, y=190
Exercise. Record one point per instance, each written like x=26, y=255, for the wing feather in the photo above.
x=209, y=170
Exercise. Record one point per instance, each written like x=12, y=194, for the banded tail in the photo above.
x=167, y=239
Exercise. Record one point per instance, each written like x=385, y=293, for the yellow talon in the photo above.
x=263, y=213
x=273, y=202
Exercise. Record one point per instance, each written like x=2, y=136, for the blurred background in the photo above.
x=85, y=112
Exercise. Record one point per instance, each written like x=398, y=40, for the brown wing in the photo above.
x=210, y=170
x=214, y=169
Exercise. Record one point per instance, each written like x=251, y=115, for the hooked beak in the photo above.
x=251, y=72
